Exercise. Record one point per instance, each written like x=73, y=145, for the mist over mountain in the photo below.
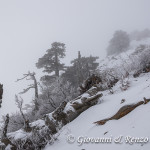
x=67, y=64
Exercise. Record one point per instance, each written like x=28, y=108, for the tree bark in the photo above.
x=1, y=93
x=67, y=112
x=4, y=137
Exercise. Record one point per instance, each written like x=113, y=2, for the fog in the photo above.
x=27, y=29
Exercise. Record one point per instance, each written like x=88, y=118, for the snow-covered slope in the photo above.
x=136, y=124
x=124, y=59
x=80, y=133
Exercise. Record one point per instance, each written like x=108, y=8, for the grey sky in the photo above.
x=28, y=27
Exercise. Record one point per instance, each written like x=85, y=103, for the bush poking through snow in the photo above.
x=125, y=84
x=19, y=103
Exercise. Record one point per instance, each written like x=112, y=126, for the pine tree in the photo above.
x=51, y=60
x=81, y=68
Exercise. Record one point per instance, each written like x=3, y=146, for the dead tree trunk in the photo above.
x=89, y=82
x=4, y=137
x=123, y=111
x=31, y=76
x=1, y=93
x=67, y=112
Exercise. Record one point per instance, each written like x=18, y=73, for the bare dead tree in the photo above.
x=19, y=103
x=4, y=134
x=31, y=76
x=1, y=93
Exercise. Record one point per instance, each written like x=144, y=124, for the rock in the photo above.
x=137, y=73
x=122, y=101
x=106, y=132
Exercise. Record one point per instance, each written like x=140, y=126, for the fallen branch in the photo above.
x=67, y=112
x=123, y=111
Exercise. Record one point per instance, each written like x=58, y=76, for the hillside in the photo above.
x=71, y=125
x=135, y=124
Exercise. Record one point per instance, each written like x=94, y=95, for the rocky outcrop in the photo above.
x=123, y=111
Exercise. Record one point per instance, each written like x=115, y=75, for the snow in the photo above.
x=21, y=134
x=68, y=108
x=8, y=147
x=38, y=123
x=77, y=100
x=18, y=134
x=136, y=124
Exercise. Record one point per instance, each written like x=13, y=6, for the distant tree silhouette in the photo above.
x=81, y=69
x=119, y=43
